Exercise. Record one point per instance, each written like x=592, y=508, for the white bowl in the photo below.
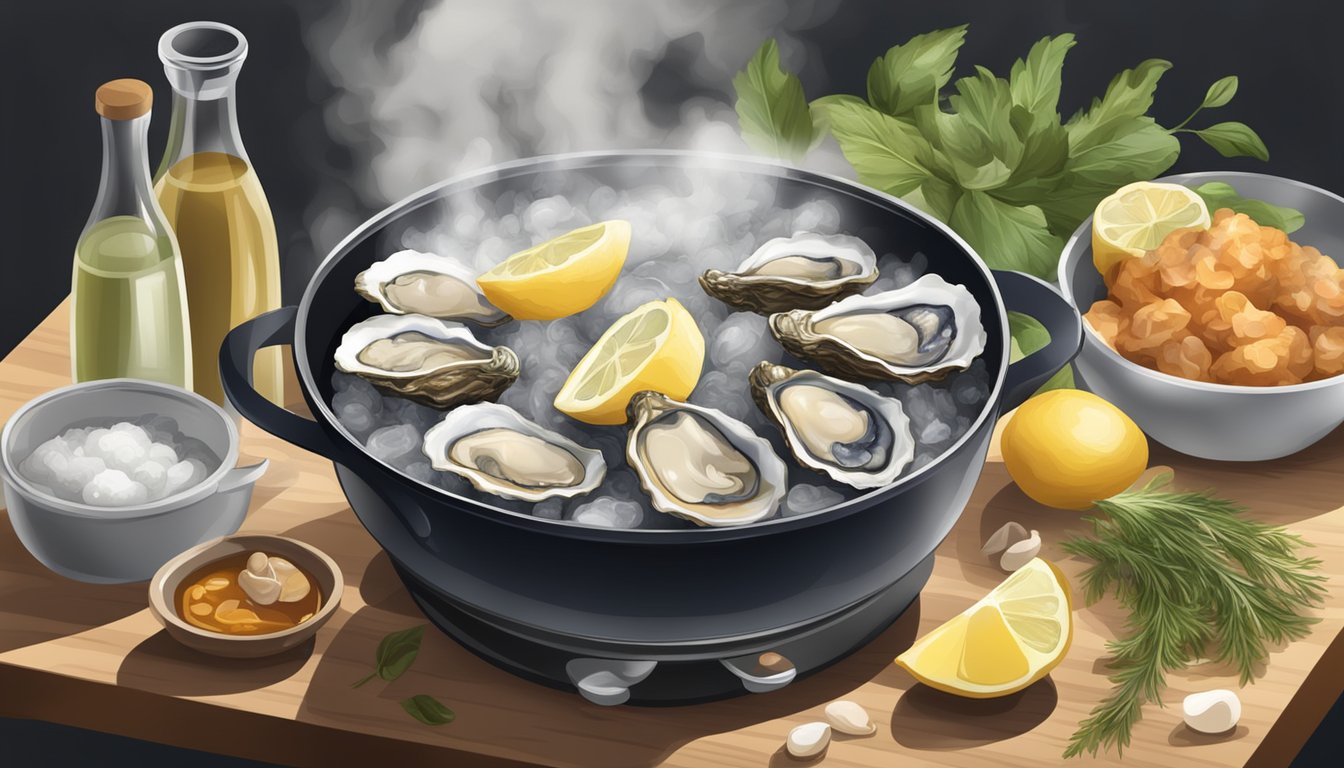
x=110, y=545
x=1213, y=421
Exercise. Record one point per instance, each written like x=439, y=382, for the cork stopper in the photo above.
x=123, y=99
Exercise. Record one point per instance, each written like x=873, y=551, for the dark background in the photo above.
x=56, y=52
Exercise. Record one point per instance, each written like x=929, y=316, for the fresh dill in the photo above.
x=1198, y=578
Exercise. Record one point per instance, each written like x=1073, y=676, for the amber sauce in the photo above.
x=211, y=599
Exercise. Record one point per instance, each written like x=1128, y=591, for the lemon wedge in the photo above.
x=1010, y=639
x=1138, y=217
x=562, y=276
x=657, y=346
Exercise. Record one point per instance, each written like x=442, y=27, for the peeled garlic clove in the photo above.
x=258, y=564
x=1005, y=537
x=1021, y=553
x=808, y=740
x=848, y=717
x=259, y=589
x=1215, y=711
x=294, y=585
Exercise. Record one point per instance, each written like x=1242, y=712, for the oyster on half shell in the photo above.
x=847, y=431
x=500, y=452
x=700, y=464
x=806, y=271
x=415, y=283
x=917, y=333
x=435, y=362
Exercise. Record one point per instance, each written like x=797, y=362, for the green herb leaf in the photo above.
x=1035, y=81
x=395, y=654
x=1217, y=195
x=888, y=154
x=1140, y=149
x=911, y=75
x=1220, y=93
x=428, y=710
x=1128, y=96
x=1007, y=236
x=1233, y=139
x=771, y=108
x=1028, y=336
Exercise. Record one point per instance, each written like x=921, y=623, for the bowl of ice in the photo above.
x=105, y=481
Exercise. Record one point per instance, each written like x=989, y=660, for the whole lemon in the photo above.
x=1068, y=448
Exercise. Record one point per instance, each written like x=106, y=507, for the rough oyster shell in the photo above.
x=500, y=452
x=917, y=333
x=435, y=362
x=414, y=283
x=674, y=442
x=847, y=431
x=806, y=271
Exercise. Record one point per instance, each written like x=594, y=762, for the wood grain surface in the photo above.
x=92, y=656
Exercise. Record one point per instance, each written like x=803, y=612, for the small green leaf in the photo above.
x=887, y=153
x=1029, y=336
x=1233, y=139
x=771, y=108
x=1217, y=195
x=1128, y=96
x=1007, y=236
x=395, y=654
x=1220, y=93
x=911, y=74
x=1034, y=82
x=427, y=710
x=1063, y=379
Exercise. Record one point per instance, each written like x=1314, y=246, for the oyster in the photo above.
x=702, y=465
x=806, y=271
x=849, y=432
x=415, y=283
x=501, y=452
x=435, y=362
x=917, y=333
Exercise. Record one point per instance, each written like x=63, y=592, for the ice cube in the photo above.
x=136, y=432
x=935, y=432
x=391, y=444
x=152, y=475
x=551, y=509
x=421, y=471
x=177, y=478
x=113, y=488
x=75, y=439
x=804, y=498
x=609, y=512
x=163, y=454
x=46, y=460
x=121, y=449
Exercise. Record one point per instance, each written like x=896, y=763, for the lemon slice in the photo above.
x=1010, y=639
x=561, y=276
x=657, y=346
x=1138, y=217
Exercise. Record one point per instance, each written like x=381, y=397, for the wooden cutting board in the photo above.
x=93, y=657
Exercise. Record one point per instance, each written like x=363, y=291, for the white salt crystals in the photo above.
x=118, y=466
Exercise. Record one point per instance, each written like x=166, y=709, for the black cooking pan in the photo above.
x=681, y=595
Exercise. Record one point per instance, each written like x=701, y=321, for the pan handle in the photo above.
x=236, y=355
x=1033, y=296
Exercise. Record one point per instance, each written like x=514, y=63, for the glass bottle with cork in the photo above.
x=129, y=313
x=214, y=201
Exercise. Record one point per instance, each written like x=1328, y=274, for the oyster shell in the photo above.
x=700, y=464
x=435, y=362
x=500, y=452
x=806, y=271
x=849, y=432
x=415, y=283
x=917, y=333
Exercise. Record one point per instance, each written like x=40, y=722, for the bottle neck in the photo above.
x=201, y=125
x=125, y=189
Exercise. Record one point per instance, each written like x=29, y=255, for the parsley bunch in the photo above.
x=992, y=159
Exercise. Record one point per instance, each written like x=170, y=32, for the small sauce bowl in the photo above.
x=163, y=589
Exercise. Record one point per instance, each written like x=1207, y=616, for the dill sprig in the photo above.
x=1197, y=577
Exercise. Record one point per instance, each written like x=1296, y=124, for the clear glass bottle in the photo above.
x=129, y=314
x=214, y=201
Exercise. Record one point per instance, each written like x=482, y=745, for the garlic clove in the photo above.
x=1021, y=553
x=294, y=585
x=258, y=564
x=1215, y=711
x=259, y=589
x=808, y=740
x=1005, y=537
x=849, y=718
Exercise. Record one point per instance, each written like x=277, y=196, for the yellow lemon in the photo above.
x=561, y=276
x=1137, y=217
x=657, y=346
x=1010, y=639
x=1068, y=448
